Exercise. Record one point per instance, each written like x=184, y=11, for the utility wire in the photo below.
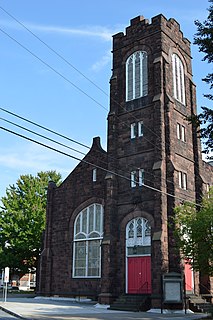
x=53, y=50
x=44, y=128
x=24, y=128
x=57, y=72
x=53, y=69
x=61, y=144
x=94, y=165
x=71, y=65
x=42, y=136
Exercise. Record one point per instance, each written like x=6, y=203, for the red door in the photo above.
x=189, y=283
x=139, y=275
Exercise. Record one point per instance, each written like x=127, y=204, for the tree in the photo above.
x=194, y=233
x=204, y=39
x=22, y=221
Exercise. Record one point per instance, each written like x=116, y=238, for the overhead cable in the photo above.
x=96, y=166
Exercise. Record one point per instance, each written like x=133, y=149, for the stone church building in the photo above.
x=109, y=229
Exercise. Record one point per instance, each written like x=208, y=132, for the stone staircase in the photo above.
x=198, y=303
x=132, y=302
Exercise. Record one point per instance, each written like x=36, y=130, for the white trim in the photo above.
x=85, y=212
x=135, y=240
x=133, y=179
x=143, y=75
x=140, y=128
x=133, y=135
x=182, y=177
x=141, y=177
x=94, y=175
x=178, y=79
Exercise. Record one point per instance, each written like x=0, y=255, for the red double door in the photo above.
x=139, y=275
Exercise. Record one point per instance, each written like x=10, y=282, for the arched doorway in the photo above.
x=138, y=256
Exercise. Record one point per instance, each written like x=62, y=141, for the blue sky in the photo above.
x=81, y=32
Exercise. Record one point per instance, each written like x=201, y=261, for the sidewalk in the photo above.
x=66, y=309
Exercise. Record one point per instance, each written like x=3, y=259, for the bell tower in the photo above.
x=151, y=147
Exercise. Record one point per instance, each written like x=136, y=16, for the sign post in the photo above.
x=6, y=280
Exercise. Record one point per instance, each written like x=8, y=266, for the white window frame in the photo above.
x=136, y=129
x=133, y=130
x=141, y=177
x=140, y=128
x=94, y=175
x=178, y=131
x=182, y=180
x=137, y=178
x=178, y=79
x=136, y=75
x=86, y=234
x=181, y=132
x=133, y=179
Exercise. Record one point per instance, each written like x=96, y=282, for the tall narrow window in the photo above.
x=88, y=232
x=133, y=179
x=181, y=132
x=136, y=76
x=94, y=175
x=140, y=177
x=178, y=131
x=182, y=180
x=136, y=129
x=140, y=128
x=137, y=178
x=178, y=79
x=133, y=130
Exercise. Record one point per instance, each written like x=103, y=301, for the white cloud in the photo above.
x=102, y=62
x=83, y=31
x=32, y=159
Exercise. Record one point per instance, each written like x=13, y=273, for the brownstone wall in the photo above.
x=76, y=192
x=158, y=152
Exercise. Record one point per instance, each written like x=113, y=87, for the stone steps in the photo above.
x=198, y=304
x=130, y=302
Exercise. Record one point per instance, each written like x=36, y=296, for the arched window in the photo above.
x=136, y=75
x=178, y=79
x=138, y=237
x=88, y=232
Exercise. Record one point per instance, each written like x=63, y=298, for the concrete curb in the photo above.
x=14, y=314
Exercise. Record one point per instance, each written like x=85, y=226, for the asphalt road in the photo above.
x=65, y=309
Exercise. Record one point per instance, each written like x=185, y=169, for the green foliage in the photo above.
x=194, y=233
x=204, y=39
x=206, y=133
x=22, y=221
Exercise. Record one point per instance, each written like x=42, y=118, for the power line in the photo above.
x=36, y=124
x=94, y=165
x=53, y=69
x=53, y=50
x=65, y=60
x=72, y=66
x=44, y=128
x=42, y=136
